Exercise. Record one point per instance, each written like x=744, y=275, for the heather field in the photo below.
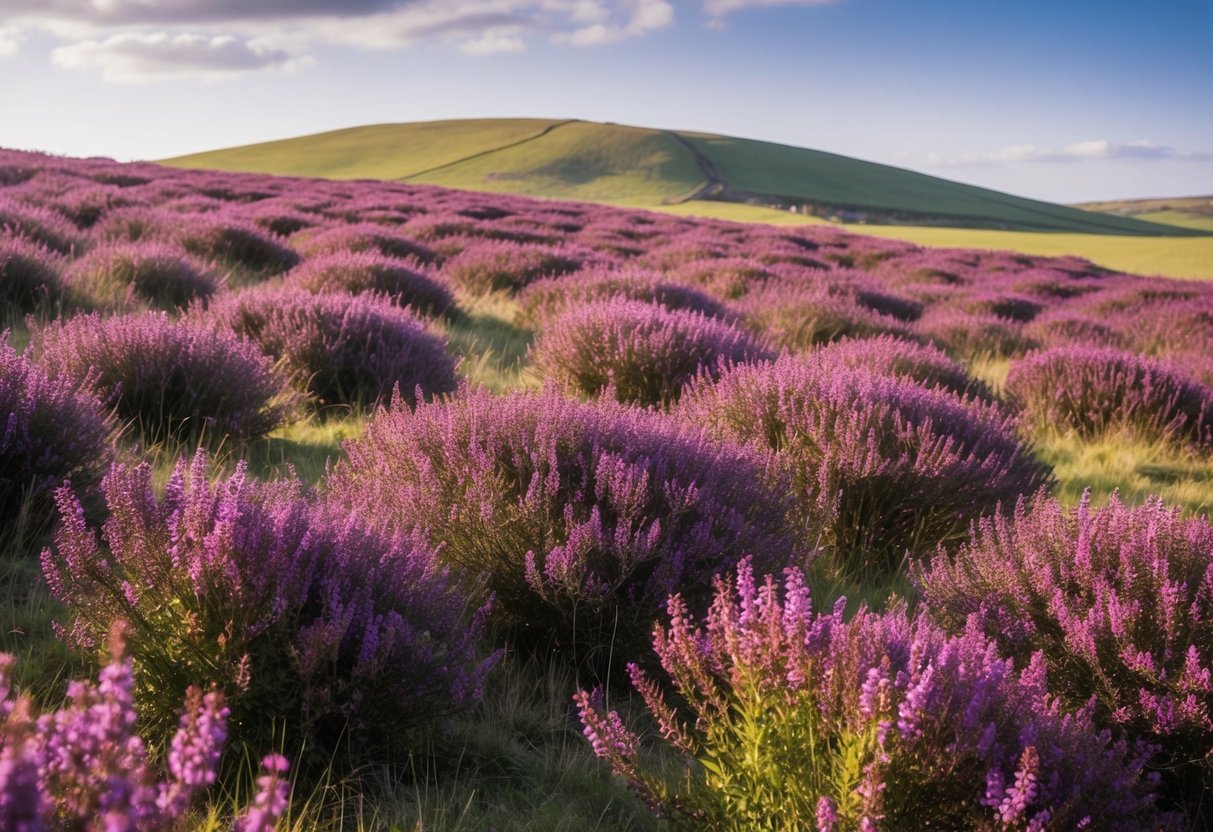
x=380, y=505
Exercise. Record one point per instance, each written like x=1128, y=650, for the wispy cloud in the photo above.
x=717, y=9
x=1077, y=152
x=131, y=39
x=148, y=56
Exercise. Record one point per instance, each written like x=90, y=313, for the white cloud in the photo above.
x=1076, y=152
x=495, y=41
x=642, y=17
x=716, y=9
x=134, y=57
x=10, y=40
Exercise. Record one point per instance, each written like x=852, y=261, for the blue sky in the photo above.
x=1058, y=99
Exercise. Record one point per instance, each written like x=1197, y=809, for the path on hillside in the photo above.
x=715, y=188
x=491, y=150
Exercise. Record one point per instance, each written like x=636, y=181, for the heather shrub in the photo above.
x=236, y=245
x=132, y=224
x=30, y=276
x=581, y=517
x=340, y=348
x=1012, y=307
x=1062, y=327
x=892, y=356
x=642, y=352
x=157, y=274
x=787, y=718
x=881, y=465
x=83, y=764
x=48, y=433
x=366, y=238
x=798, y=315
x=547, y=298
x=970, y=334
x=172, y=379
x=506, y=266
x=726, y=279
x=359, y=272
x=320, y=632
x=1119, y=603
x=1093, y=391
x=41, y=226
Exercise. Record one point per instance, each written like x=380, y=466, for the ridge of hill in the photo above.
x=646, y=167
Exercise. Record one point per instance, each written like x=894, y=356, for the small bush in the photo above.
x=1093, y=391
x=359, y=272
x=50, y=433
x=304, y=620
x=30, y=276
x=582, y=517
x=340, y=348
x=70, y=768
x=806, y=720
x=173, y=379
x=800, y=315
x=157, y=274
x=892, y=356
x=970, y=334
x=41, y=226
x=235, y=244
x=496, y=266
x=882, y=465
x=547, y=298
x=1117, y=601
x=644, y=353
x=365, y=238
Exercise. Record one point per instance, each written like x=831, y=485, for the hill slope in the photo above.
x=645, y=167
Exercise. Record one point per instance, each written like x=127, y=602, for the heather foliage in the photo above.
x=797, y=315
x=507, y=266
x=171, y=378
x=84, y=767
x=881, y=465
x=365, y=238
x=341, y=348
x=156, y=274
x=307, y=622
x=582, y=517
x=236, y=245
x=970, y=334
x=41, y=226
x=29, y=276
x=358, y=272
x=641, y=353
x=48, y=433
x=1094, y=391
x=548, y=298
x=807, y=720
x=1119, y=602
x=892, y=356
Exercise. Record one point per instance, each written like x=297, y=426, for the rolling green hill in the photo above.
x=644, y=167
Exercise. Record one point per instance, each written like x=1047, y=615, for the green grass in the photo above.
x=644, y=167
x=1183, y=219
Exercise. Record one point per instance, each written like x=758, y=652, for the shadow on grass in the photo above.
x=492, y=347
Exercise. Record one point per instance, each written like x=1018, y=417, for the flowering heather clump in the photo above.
x=505, y=266
x=358, y=272
x=41, y=226
x=30, y=276
x=48, y=433
x=1063, y=327
x=807, y=720
x=797, y=315
x=644, y=353
x=726, y=279
x=892, y=356
x=547, y=298
x=84, y=767
x=881, y=465
x=582, y=517
x=236, y=245
x=171, y=378
x=1011, y=307
x=969, y=334
x=157, y=274
x=1118, y=601
x=132, y=224
x=304, y=620
x=341, y=348
x=364, y=238
x=1093, y=391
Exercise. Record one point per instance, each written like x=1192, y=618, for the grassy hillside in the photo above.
x=643, y=167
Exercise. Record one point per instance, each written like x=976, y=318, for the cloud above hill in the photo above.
x=1077, y=152
x=137, y=40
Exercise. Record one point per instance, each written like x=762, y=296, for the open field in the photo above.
x=409, y=475
x=642, y=167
